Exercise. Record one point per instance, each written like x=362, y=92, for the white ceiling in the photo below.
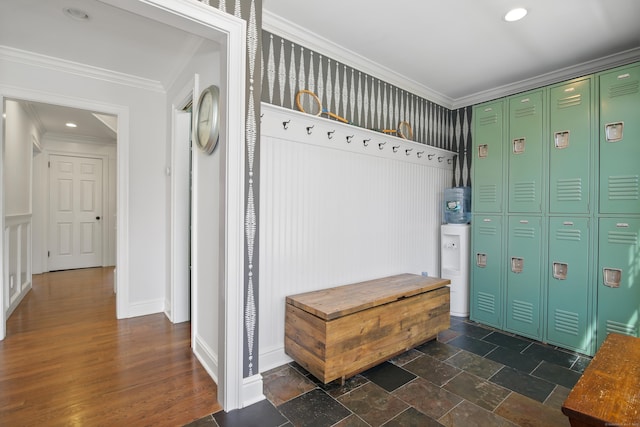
x=454, y=52
x=460, y=52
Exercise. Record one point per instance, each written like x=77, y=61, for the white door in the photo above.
x=75, y=208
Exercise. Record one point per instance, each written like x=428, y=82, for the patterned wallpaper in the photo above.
x=250, y=11
x=363, y=100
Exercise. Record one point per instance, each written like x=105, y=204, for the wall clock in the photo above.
x=207, y=120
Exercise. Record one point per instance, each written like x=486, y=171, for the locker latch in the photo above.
x=517, y=264
x=481, y=260
x=483, y=151
x=612, y=277
x=518, y=145
x=560, y=270
x=561, y=139
x=613, y=131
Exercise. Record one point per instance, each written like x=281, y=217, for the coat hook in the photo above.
x=395, y=148
x=420, y=153
x=449, y=161
x=261, y=115
x=408, y=151
x=309, y=129
x=285, y=125
x=366, y=142
x=381, y=145
x=349, y=137
x=440, y=159
x=430, y=156
x=330, y=134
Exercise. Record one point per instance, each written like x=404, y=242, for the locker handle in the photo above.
x=612, y=277
x=560, y=270
x=486, y=220
x=567, y=223
x=524, y=221
x=614, y=131
x=624, y=76
x=483, y=151
x=622, y=225
x=517, y=264
x=525, y=100
x=488, y=109
x=518, y=145
x=561, y=139
x=481, y=260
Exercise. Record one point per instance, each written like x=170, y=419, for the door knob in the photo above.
x=98, y=218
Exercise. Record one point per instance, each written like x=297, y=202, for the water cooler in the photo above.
x=455, y=237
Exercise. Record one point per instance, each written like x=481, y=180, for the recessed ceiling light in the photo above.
x=71, y=125
x=515, y=14
x=77, y=14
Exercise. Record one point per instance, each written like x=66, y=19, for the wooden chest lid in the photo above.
x=332, y=303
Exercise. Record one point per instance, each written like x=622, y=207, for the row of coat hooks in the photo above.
x=381, y=145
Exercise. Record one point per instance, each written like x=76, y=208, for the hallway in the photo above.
x=68, y=361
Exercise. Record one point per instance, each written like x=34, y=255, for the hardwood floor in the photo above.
x=68, y=361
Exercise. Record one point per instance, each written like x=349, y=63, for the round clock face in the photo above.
x=207, y=119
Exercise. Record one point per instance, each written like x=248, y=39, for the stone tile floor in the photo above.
x=470, y=376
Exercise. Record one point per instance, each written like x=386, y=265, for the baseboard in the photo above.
x=252, y=390
x=207, y=357
x=272, y=358
x=145, y=308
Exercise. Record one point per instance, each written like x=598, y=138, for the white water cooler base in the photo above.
x=454, y=260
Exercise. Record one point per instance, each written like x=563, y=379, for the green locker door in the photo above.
x=524, y=259
x=525, y=152
x=570, y=147
x=568, y=279
x=619, y=277
x=487, y=161
x=486, y=270
x=620, y=140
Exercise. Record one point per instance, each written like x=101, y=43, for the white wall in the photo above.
x=18, y=149
x=147, y=137
x=208, y=221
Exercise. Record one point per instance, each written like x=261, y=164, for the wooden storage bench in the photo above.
x=608, y=393
x=338, y=332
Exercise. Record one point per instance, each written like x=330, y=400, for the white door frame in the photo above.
x=230, y=32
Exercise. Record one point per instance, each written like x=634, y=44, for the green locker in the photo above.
x=488, y=158
x=486, y=270
x=570, y=147
x=620, y=140
x=524, y=278
x=619, y=277
x=525, y=152
x=567, y=319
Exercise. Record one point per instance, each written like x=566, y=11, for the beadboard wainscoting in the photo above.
x=340, y=204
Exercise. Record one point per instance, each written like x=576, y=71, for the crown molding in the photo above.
x=295, y=33
x=62, y=65
x=79, y=139
x=563, y=74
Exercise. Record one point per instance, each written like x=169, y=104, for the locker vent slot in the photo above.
x=522, y=311
x=626, y=88
x=621, y=328
x=488, y=120
x=570, y=101
x=488, y=193
x=518, y=145
x=486, y=302
x=569, y=190
x=561, y=139
x=560, y=270
x=571, y=235
x=525, y=111
x=487, y=230
x=567, y=322
x=483, y=151
x=624, y=187
x=524, y=232
x=524, y=191
x=623, y=238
